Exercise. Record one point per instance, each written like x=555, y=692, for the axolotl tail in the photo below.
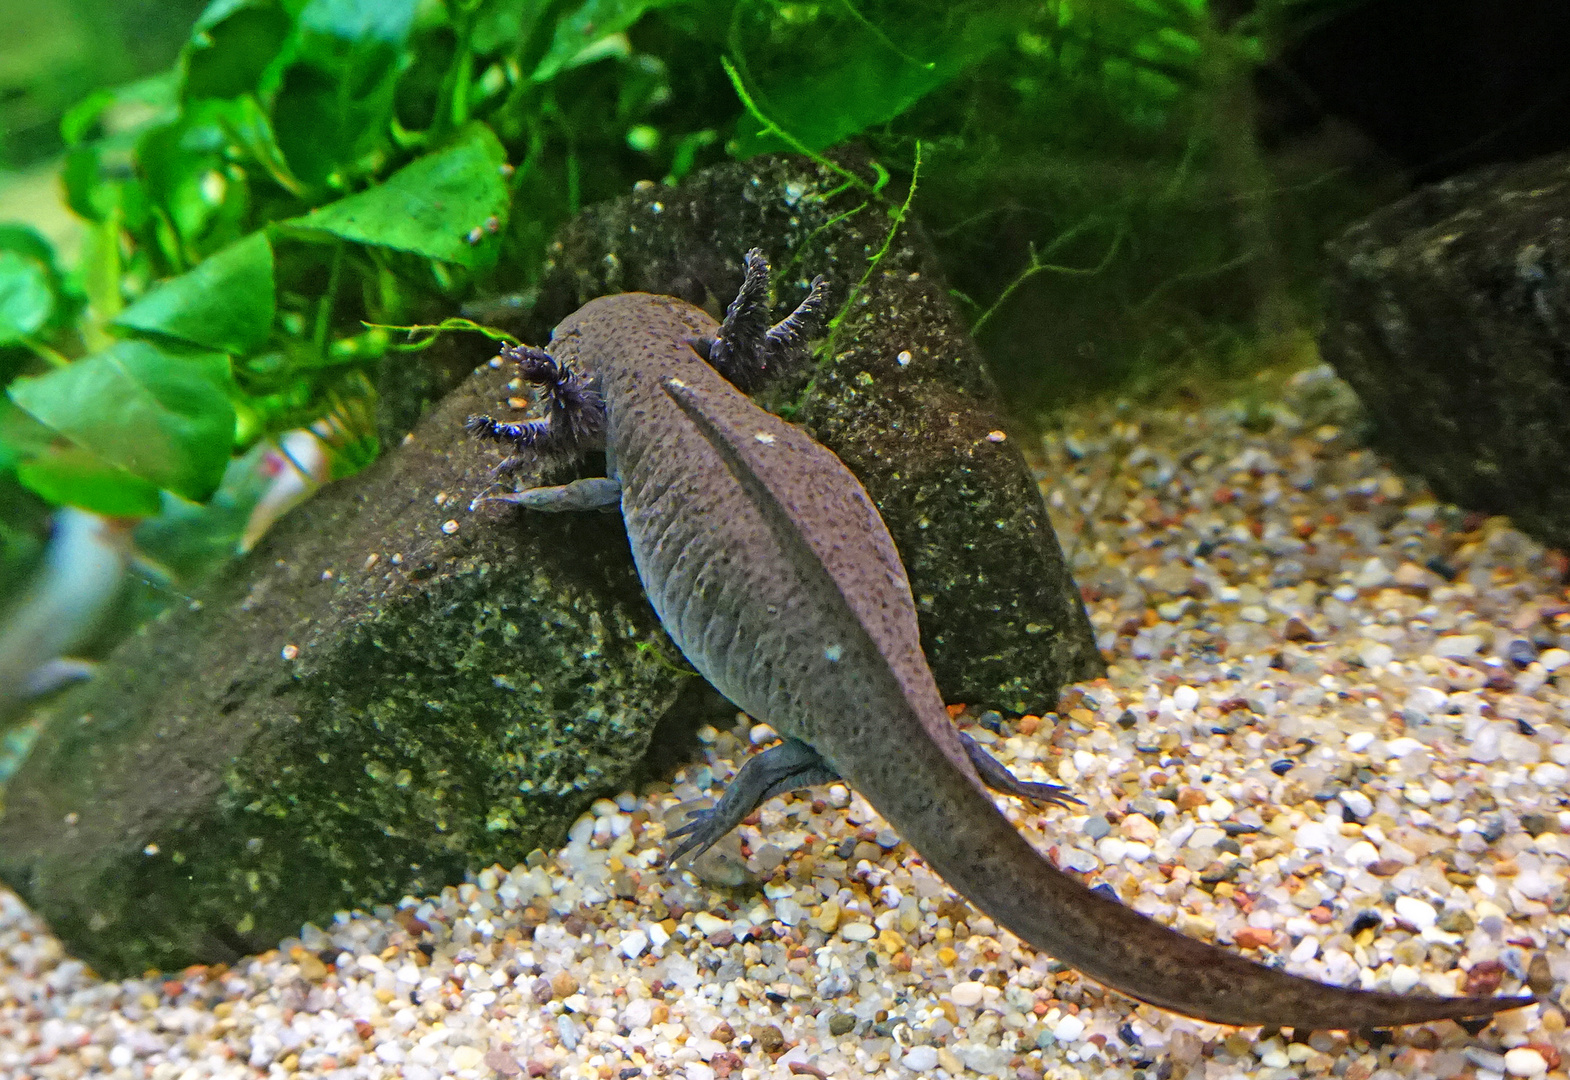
x=981, y=855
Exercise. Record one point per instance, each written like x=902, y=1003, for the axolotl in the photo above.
x=770, y=568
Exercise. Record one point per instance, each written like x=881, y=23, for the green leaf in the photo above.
x=231, y=47
x=590, y=23
x=250, y=129
x=226, y=303
x=333, y=107
x=430, y=207
x=360, y=21
x=155, y=96
x=161, y=414
x=856, y=77
x=71, y=476
x=26, y=299
x=186, y=171
x=26, y=240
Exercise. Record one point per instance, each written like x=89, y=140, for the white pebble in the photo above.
x=1403, y=977
x=1313, y=836
x=1357, y=802
x=1420, y=913
x=1524, y=1061
x=967, y=995
x=920, y=1059
x=1373, y=574
x=1550, y=775
x=1534, y=886
x=1361, y=854
x=1359, y=741
x=858, y=931
x=1206, y=837
x=708, y=924
x=1375, y=654
x=1454, y=646
x=1069, y=1029
x=1553, y=659
x=121, y=1056
x=1185, y=697
x=633, y=943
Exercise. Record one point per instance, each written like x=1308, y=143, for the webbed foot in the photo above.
x=786, y=767
x=998, y=778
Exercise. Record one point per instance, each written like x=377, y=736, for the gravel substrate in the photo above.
x=1331, y=737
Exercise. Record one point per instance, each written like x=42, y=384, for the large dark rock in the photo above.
x=366, y=707
x=903, y=398
x=1450, y=316
x=393, y=689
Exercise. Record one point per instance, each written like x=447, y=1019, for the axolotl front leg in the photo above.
x=573, y=425
x=590, y=493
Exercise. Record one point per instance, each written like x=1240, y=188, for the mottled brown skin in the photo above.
x=769, y=566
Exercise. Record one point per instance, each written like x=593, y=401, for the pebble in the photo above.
x=1315, y=755
x=1525, y=1061
x=1069, y=1029
x=1420, y=913
x=1457, y=645
x=967, y=995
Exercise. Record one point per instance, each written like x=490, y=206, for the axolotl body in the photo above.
x=770, y=568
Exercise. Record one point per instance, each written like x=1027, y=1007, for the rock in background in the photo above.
x=393, y=690
x=1449, y=315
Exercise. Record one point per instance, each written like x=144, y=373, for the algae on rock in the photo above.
x=376, y=701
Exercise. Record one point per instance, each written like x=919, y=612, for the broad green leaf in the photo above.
x=161, y=414
x=21, y=436
x=383, y=21
x=333, y=106
x=26, y=240
x=155, y=96
x=503, y=23
x=186, y=170
x=590, y=23
x=231, y=46
x=431, y=207
x=858, y=77
x=26, y=299
x=249, y=128
x=226, y=303
x=71, y=476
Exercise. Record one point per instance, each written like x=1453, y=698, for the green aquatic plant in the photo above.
x=262, y=221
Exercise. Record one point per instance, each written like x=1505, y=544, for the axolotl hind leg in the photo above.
x=793, y=765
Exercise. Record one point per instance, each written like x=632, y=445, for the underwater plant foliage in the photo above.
x=314, y=175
